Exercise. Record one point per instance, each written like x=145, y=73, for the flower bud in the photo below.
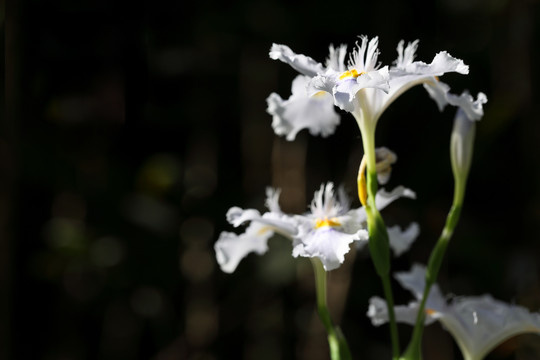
x=461, y=146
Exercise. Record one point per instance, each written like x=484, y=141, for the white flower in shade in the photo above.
x=477, y=323
x=325, y=232
x=329, y=229
x=232, y=248
x=331, y=226
x=363, y=87
x=301, y=111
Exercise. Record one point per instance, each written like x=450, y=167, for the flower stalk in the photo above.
x=339, y=349
x=378, y=241
x=461, y=149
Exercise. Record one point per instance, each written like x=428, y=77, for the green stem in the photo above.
x=391, y=317
x=461, y=149
x=378, y=235
x=414, y=351
x=339, y=349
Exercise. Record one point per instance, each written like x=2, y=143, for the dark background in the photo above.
x=130, y=130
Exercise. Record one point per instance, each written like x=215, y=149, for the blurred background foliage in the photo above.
x=130, y=130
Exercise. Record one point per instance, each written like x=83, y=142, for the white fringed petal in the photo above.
x=302, y=111
x=232, y=248
x=472, y=108
x=237, y=216
x=329, y=245
x=301, y=63
x=438, y=91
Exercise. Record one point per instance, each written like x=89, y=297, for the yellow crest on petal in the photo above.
x=319, y=94
x=351, y=73
x=327, y=222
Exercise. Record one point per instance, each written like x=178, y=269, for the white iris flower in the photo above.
x=325, y=232
x=363, y=87
x=477, y=323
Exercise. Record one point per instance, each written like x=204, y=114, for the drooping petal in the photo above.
x=472, y=108
x=279, y=222
x=232, y=248
x=301, y=63
x=438, y=91
x=328, y=244
x=401, y=240
x=237, y=216
x=301, y=111
x=383, y=197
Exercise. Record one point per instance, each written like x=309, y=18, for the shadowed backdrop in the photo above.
x=128, y=135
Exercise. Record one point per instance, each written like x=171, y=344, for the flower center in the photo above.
x=327, y=222
x=351, y=73
x=430, y=311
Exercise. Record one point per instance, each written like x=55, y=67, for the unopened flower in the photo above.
x=477, y=323
x=462, y=138
x=461, y=145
